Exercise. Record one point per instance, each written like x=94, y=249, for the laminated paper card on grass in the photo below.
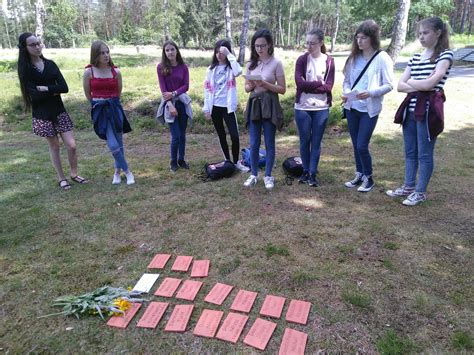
x=182, y=263
x=208, y=323
x=152, y=315
x=200, y=268
x=260, y=333
x=272, y=306
x=218, y=293
x=122, y=321
x=146, y=282
x=168, y=287
x=294, y=342
x=189, y=290
x=179, y=318
x=159, y=261
x=232, y=327
x=298, y=312
x=244, y=300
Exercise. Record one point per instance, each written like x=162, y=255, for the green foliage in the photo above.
x=59, y=30
x=271, y=250
x=462, y=340
x=357, y=298
x=391, y=344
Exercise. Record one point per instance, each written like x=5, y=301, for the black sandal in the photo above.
x=64, y=185
x=79, y=179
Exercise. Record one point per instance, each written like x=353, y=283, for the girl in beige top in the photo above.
x=265, y=79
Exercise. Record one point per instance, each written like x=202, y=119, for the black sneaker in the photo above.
x=367, y=184
x=356, y=181
x=173, y=166
x=183, y=164
x=313, y=181
x=304, y=178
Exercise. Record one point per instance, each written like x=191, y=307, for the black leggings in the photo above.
x=219, y=115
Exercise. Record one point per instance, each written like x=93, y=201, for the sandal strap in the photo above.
x=79, y=179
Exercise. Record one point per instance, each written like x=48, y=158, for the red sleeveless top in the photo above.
x=104, y=88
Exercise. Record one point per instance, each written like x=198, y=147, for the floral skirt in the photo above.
x=44, y=128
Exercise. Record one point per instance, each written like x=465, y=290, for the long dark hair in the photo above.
x=95, y=53
x=220, y=43
x=320, y=36
x=253, y=54
x=370, y=29
x=24, y=67
x=165, y=62
x=436, y=24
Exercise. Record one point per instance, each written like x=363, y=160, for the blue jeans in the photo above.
x=418, y=152
x=311, y=126
x=361, y=126
x=269, y=131
x=178, y=133
x=115, y=144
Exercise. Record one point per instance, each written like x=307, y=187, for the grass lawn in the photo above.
x=381, y=277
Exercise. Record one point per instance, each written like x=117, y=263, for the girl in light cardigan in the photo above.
x=363, y=111
x=220, y=97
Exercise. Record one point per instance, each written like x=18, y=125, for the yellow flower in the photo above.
x=121, y=304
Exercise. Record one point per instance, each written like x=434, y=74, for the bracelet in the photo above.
x=174, y=93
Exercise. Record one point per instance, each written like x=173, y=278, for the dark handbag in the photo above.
x=216, y=171
x=360, y=77
x=293, y=167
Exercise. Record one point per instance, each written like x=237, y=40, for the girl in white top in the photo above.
x=220, y=97
x=363, y=110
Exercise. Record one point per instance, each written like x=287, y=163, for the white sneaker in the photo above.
x=117, y=179
x=130, y=178
x=242, y=167
x=401, y=191
x=251, y=181
x=414, y=198
x=269, y=182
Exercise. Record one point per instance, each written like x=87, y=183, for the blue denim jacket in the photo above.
x=106, y=110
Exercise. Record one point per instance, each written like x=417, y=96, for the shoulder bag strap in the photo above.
x=365, y=69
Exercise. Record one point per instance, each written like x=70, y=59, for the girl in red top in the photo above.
x=102, y=83
x=41, y=85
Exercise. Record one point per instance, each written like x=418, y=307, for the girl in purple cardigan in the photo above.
x=314, y=77
x=173, y=77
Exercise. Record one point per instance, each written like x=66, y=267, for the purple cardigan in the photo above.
x=435, y=113
x=313, y=87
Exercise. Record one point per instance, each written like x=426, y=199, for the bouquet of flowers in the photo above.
x=103, y=301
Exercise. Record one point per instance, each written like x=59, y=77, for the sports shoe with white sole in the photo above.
x=130, y=178
x=356, y=181
x=414, y=198
x=269, y=182
x=117, y=179
x=367, y=184
x=401, y=191
x=251, y=181
x=241, y=167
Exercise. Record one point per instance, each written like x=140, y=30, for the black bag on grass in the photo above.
x=293, y=168
x=216, y=171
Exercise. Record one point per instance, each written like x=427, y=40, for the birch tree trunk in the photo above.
x=336, y=28
x=228, y=21
x=399, y=30
x=288, y=38
x=245, y=31
x=40, y=13
x=167, y=21
x=465, y=10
